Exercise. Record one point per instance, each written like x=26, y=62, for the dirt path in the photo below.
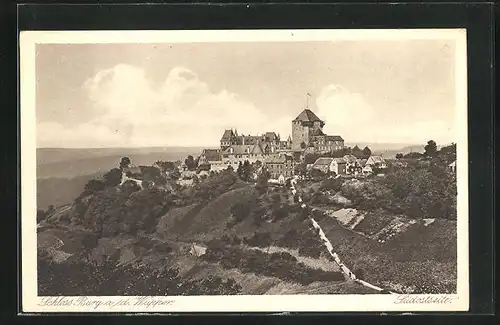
x=329, y=246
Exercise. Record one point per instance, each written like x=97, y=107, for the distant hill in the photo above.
x=59, y=191
x=389, y=150
x=69, y=163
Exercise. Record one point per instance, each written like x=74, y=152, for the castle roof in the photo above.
x=241, y=149
x=334, y=138
x=271, y=136
x=307, y=116
x=228, y=135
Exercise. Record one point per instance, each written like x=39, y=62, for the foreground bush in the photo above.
x=83, y=279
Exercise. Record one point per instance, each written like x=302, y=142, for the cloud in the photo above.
x=338, y=106
x=182, y=110
x=350, y=115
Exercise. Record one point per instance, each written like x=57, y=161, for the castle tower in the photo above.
x=302, y=127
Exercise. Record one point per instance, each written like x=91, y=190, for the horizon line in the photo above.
x=202, y=146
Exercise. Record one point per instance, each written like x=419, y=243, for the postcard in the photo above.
x=244, y=171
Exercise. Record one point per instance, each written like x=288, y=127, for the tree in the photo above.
x=316, y=173
x=40, y=215
x=448, y=153
x=94, y=185
x=191, y=163
x=367, y=152
x=262, y=179
x=357, y=152
x=399, y=155
x=430, y=149
x=175, y=174
x=125, y=162
x=239, y=170
x=113, y=177
x=246, y=171
x=166, y=166
x=413, y=155
x=300, y=169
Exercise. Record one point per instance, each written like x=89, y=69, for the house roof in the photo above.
x=375, y=159
x=212, y=154
x=228, y=134
x=334, y=138
x=362, y=162
x=307, y=116
x=340, y=160
x=323, y=161
x=350, y=158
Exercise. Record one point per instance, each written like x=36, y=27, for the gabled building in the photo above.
x=376, y=161
x=323, y=163
x=280, y=166
x=331, y=165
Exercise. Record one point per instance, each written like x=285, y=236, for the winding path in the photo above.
x=329, y=246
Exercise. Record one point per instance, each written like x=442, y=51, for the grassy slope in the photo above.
x=419, y=255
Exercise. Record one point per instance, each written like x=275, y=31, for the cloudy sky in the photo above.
x=186, y=94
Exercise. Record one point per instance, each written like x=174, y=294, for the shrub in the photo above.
x=334, y=184
x=113, y=177
x=94, y=185
x=83, y=279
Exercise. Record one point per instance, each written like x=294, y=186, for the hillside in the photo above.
x=224, y=235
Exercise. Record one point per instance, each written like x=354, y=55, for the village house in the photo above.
x=331, y=165
x=353, y=166
x=280, y=167
x=338, y=166
x=323, y=164
x=376, y=161
x=212, y=158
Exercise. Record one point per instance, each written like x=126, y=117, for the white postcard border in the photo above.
x=241, y=303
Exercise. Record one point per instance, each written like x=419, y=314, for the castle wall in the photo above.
x=300, y=134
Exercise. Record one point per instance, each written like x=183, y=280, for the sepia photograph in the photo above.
x=279, y=170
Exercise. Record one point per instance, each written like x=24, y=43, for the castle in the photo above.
x=307, y=137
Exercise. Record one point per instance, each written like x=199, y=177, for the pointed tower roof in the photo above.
x=228, y=134
x=307, y=116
